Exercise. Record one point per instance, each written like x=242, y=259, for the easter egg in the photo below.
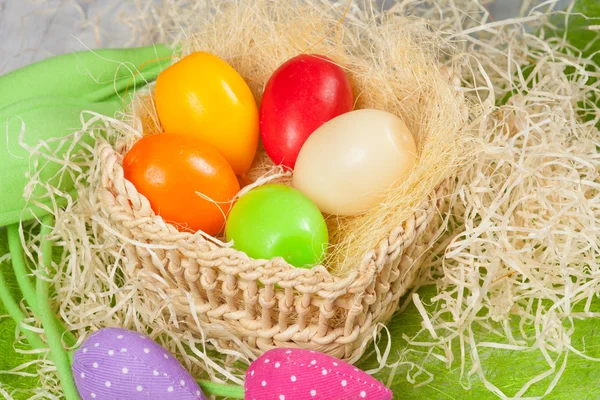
x=116, y=363
x=278, y=221
x=187, y=182
x=203, y=96
x=298, y=374
x=346, y=166
x=301, y=95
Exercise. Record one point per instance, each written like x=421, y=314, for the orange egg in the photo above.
x=203, y=96
x=187, y=182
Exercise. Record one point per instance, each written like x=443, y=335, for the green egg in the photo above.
x=278, y=221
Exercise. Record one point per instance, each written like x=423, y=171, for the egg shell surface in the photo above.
x=302, y=94
x=203, y=96
x=346, y=166
x=278, y=221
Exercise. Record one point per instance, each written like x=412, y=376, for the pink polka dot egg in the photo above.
x=116, y=363
x=297, y=374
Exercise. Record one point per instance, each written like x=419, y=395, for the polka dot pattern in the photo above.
x=296, y=374
x=105, y=370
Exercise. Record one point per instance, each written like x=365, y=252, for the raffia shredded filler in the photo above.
x=517, y=252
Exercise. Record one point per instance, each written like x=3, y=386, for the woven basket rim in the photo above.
x=113, y=180
x=264, y=303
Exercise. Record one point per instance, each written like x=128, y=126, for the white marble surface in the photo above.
x=31, y=30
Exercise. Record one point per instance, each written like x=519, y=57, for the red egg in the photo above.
x=303, y=93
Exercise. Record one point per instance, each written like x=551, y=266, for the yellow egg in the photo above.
x=204, y=97
x=347, y=164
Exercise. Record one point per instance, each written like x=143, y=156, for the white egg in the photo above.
x=346, y=165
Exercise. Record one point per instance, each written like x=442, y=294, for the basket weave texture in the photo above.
x=261, y=304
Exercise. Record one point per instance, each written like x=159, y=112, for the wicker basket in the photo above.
x=262, y=303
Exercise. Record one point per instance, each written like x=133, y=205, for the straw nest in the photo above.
x=125, y=266
x=517, y=269
x=393, y=64
x=202, y=284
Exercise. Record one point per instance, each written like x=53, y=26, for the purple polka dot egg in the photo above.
x=116, y=363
